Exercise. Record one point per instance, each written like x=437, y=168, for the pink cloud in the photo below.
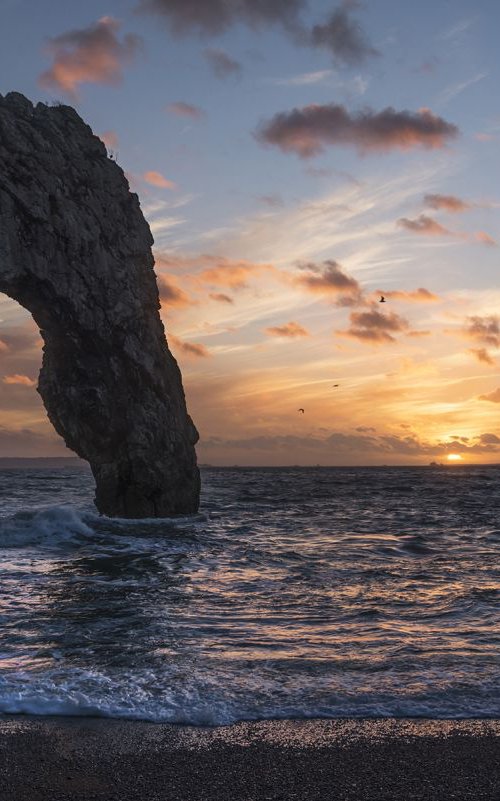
x=484, y=239
x=157, y=179
x=110, y=139
x=449, y=203
x=307, y=131
x=89, y=55
x=426, y=226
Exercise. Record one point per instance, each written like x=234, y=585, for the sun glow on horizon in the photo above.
x=454, y=457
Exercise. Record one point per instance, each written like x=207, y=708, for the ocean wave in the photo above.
x=201, y=700
x=51, y=526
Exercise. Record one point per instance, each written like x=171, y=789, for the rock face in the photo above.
x=75, y=250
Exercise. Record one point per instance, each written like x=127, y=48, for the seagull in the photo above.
x=301, y=410
x=382, y=299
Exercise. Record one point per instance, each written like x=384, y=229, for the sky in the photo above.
x=296, y=161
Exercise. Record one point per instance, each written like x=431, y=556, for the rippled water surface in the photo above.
x=294, y=593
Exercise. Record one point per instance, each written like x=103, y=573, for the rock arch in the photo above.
x=75, y=250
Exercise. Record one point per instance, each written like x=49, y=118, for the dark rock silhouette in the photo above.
x=75, y=250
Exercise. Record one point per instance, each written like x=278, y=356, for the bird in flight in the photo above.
x=301, y=410
x=382, y=299
x=336, y=385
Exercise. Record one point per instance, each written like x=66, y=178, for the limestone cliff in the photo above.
x=75, y=250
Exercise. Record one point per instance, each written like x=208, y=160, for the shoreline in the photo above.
x=102, y=759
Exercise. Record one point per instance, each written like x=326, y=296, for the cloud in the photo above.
x=485, y=239
x=221, y=64
x=3, y=346
x=304, y=78
x=181, y=109
x=89, y=55
x=22, y=380
x=217, y=271
x=420, y=295
x=171, y=294
x=189, y=348
x=449, y=203
x=220, y=297
x=339, y=447
x=273, y=201
x=343, y=37
x=426, y=226
x=157, y=179
x=26, y=442
x=213, y=17
x=482, y=355
x=485, y=330
x=329, y=279
x=374, y=327
x=489, y=439
x=306, y=131
x=493, y=397
x=289, y=330
x=110, y=139
x=229, y=273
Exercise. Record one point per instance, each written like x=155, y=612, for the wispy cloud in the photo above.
x=186, y=110
x=221, y=64
x=456, y=89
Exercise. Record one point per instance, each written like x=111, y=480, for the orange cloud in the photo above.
x=330, y=279
x=484, y=238
x=494, y=396
x=110, y=139
x=189, y=348
x=485, y=330
x=482, y=355
x=426, y=226
x=420, y=295
x=22, y=380
x=171, y=294
x=89, y=55
x=214, y=270
x=449, y=203
x=290, y=330
x=157, y=179
x=3, y=346
x=306, y=131
x=374, y=327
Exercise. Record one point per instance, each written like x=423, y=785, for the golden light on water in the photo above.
x=454, y=457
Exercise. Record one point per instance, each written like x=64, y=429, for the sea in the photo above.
x=293, y=593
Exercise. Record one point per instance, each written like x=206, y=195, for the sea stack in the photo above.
x=75, y=250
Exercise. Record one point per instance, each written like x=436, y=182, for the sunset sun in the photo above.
x=454, y=457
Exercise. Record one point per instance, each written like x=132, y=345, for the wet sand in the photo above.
x=64, y=759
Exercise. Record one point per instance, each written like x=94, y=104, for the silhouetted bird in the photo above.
x=382, y=299
x=301, y=410
x=336, y=385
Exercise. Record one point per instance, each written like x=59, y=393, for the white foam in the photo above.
x=49, y=526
